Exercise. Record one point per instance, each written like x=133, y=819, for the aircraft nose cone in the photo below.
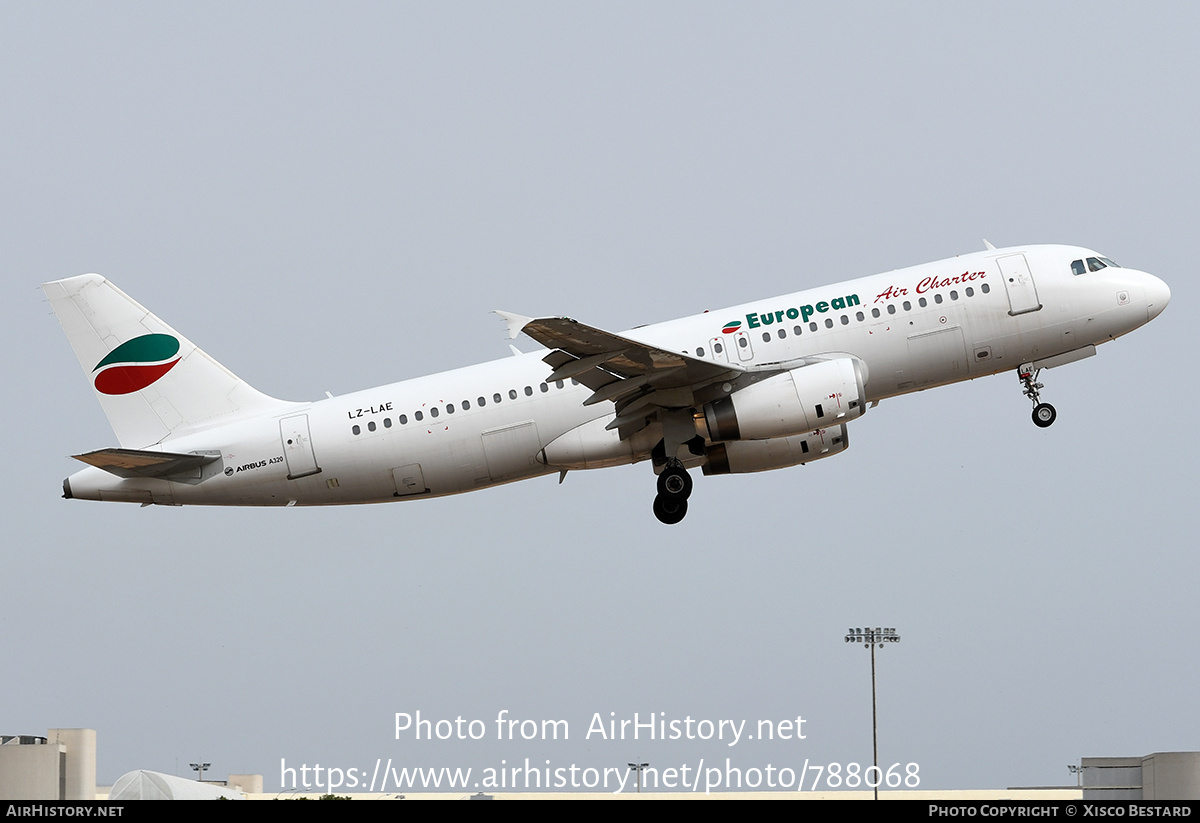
x=1158, y=295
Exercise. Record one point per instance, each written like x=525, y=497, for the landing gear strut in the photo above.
x=1043, y=413
x=674, y=489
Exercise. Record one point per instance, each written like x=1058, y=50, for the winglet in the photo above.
x=516, y=322
x=989, y=245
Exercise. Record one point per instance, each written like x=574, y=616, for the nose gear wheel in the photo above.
x=1043, y=413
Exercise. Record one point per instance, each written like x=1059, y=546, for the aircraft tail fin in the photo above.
x=152, y=382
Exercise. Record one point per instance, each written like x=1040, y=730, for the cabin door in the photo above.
x=297, y=446
x=1018, y=281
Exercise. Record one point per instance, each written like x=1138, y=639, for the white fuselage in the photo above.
x=478, y=426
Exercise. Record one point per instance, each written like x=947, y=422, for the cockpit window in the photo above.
x=1093, y=264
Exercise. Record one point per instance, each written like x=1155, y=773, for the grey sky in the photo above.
x=330, y=198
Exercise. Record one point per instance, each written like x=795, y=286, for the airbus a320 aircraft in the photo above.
x=759, y=386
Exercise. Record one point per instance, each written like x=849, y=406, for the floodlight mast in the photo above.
x=638, y=767
x=870, y=637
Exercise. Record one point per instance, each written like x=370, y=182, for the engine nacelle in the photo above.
x=745, y=456
x=822, y=394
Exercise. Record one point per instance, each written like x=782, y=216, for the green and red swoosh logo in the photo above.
x=731, y=327
x=136, y=363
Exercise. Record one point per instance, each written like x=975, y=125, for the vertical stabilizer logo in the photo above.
x=136, y=363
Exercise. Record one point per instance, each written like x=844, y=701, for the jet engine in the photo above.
x=804, y=399
x=745, y=456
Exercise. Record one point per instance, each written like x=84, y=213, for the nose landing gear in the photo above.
x=674, y=489
x=1043, y=413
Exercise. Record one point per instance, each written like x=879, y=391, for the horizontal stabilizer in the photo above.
x=131, y=463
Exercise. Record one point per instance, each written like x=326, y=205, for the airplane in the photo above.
x=754, y=387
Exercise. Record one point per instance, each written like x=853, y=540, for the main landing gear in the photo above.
x=1043, y=413
x=674, y=489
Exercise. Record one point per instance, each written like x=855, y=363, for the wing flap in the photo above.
x=617, y=389
x=574, y=368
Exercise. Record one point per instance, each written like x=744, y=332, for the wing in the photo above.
x=642, y=380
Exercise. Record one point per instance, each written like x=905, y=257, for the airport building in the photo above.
x=62, y=766
x=59, y=766
x=1158, y=776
